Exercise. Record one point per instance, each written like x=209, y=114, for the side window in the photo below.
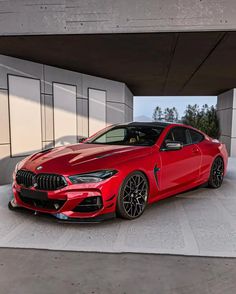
x=195, y=136
x=180, y=135
x=177, y=134
x=169, y=137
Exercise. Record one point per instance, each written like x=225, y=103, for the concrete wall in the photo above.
x=226, y=109
x=119, y=105
x=114, y=16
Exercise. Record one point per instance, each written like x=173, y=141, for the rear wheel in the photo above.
x=217, y=173
x=133, y=195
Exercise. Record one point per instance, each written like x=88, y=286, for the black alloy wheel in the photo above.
x=133, y=196
x=217, y=173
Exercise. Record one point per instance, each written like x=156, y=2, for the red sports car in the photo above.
x=118, y=171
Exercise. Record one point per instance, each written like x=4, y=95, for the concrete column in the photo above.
x=226, y=109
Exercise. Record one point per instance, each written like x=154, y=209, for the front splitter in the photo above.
x=60, y=217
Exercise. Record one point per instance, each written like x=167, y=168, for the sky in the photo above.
x=144, y=106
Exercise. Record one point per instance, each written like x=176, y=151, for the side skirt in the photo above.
x=175, y=191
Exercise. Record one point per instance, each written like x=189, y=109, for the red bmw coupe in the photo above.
x=118, y=171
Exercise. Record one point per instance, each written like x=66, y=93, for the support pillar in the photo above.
x=226, y=109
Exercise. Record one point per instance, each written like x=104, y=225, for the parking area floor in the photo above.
x=26, y=271
x=201, y=222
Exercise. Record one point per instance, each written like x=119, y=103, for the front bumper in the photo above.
x=68, y=199
x=60, y=217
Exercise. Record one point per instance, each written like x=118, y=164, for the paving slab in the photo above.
x=60, y=272
x=201, y=222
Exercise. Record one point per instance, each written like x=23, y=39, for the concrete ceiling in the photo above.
x=202, y=63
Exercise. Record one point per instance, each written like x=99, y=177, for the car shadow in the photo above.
x=156, y=206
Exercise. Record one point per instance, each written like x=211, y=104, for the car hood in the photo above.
x=81, y=158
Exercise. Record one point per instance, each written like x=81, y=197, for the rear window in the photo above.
x=196, y=137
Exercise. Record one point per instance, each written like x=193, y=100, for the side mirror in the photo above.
x=171, y=146
x=82, y=139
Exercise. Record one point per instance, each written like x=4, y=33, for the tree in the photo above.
x=204, y=119
x=157, y=114
x=171, y=114
x=191, y=115
x=176, y=114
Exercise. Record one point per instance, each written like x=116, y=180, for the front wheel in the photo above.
x=217, y=173
x=133, y=195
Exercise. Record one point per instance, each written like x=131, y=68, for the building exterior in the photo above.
x=43, y=106
x=26, y=17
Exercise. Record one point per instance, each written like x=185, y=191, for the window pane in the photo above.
x=196, y=137
x=169, y=137
x=129, y=135
x=116, y=135
x=180, y=135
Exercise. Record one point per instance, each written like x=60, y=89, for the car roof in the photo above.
x=147, y=124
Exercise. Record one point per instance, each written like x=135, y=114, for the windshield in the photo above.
x=129, y=135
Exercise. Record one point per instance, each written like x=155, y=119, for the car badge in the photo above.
x=39, y=167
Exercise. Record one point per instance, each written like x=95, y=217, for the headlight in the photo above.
x=16, y=167
x=15, y=171
x=93, y=177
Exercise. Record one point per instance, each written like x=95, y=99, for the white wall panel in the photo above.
x=25, y=115
x=114, y=90
x=97, y=110
x=64, y=114
x=58, y=75
x=4, y=118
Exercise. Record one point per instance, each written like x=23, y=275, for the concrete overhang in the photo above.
x=193, y=63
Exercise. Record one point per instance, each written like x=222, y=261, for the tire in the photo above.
x=133, y=196
x=217, y=173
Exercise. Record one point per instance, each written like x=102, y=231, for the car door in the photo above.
x=179, y=167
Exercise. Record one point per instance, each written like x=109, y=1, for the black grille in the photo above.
x=47, y=182
x=44, y=204
x=25, y=178
x=50, y=182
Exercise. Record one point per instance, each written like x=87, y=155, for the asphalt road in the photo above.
x=26, y=271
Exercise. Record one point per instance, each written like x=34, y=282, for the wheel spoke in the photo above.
x=135, y=195
x=218, y=172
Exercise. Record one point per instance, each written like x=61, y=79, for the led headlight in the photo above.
x=93, y=177
x=17, y=167
x=15, y=170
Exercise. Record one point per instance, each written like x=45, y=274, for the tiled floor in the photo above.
x=200, y=222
